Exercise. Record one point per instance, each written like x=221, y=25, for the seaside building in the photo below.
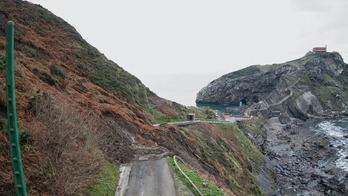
x=319, y=49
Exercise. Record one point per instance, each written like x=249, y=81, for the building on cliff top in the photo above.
x=319, y=49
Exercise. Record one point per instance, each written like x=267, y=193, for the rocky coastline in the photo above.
x=299, y=160
x=292, y=97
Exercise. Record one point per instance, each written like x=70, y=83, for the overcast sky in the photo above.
x=176, y=47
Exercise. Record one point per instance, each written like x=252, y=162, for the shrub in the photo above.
x=210, y=113
x=44, y=76
x=56, y=71
x=2, y=61
x=47, y=78
x=3, y=126
x=69, y=166
x=29, y=52
x=25, y=137
x=35, y=71
x=36, y=100
x=78, y=55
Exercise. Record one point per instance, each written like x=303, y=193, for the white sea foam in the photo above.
x=330, y=129
x=337, y=129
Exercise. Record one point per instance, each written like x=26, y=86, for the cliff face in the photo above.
x=308, y=85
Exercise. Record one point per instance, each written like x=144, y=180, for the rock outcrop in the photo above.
x=308, y=103
x=306, y=86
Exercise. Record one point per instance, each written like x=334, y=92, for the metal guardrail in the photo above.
x=16, y=159
x=186, y=123
x=183, y=173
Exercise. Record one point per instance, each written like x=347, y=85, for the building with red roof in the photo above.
x=319, y=49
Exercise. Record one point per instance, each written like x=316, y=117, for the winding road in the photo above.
x=150, y=177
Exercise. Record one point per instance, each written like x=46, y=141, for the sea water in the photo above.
x=336, y=130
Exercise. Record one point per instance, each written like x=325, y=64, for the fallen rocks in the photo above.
x=284, y=118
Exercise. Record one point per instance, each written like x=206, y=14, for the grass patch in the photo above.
x=265, y=68
x=107, y=181
x=160, y=118
x=203, y=113
x=243, y=143
x=251, y=127
x=196, y=179
x=243, y=72
x=330, y=97
x=290, y=78
x=226, y=148
x=165, y=120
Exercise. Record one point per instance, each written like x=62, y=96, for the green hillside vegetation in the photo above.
x=243, y=72
x=330, y=90
x=196, y=179
x=107, y=181
x=225, y=147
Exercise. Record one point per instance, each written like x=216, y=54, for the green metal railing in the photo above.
x=16, y=159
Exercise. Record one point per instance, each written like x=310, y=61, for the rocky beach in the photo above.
x=303, y=160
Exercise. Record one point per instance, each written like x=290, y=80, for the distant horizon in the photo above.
x=205, y=39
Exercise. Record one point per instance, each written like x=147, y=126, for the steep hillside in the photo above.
x=66, y=92
x=37, y=30
x=309, y=85
x=80, y=115
x=55, y=53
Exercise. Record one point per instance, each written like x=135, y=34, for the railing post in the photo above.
x=17, y=167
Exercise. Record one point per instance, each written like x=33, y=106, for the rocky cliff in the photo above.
x=309, y=85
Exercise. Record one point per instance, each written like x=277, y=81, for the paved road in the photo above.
x=150, y=178
x=186, y=123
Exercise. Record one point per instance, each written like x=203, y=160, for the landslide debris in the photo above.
x=81, y=112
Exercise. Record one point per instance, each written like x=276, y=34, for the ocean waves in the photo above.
x=337, y=131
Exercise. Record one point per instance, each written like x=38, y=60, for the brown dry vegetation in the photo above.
x=73, y=123
x=81, y=109
x=64, y=139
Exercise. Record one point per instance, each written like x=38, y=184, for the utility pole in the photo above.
x=17, y=167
